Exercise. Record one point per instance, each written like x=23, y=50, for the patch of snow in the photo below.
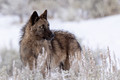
x=9, y=31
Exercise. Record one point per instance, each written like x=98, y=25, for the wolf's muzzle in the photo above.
x=52, y=36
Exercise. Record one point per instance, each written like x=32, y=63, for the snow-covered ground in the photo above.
x=97, y=33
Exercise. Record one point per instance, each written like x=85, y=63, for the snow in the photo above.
x=9, y=32
x=97, y=33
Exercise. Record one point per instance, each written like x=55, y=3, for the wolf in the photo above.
x=59, y=45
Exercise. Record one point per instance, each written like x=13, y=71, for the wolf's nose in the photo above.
x=52, y=36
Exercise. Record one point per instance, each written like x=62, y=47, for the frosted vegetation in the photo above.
x=90, y=68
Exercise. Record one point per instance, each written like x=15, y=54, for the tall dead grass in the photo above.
x=85, y=68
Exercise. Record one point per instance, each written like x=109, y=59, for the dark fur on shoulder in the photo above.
x=59, y=45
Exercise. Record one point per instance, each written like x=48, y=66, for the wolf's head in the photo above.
x=40, y=26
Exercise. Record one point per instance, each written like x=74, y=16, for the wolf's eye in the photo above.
x=42, y=26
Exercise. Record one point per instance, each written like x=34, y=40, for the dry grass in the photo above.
x=87, y=68
x=71, y=9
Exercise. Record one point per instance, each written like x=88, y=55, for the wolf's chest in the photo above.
x=42, y=47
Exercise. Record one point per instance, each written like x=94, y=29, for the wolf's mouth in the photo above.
x=51, y=37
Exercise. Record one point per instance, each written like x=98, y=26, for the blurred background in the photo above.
x=70, y=9
x=95, y=23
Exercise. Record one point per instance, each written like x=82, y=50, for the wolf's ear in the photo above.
x=44, y=15
x=34, y=18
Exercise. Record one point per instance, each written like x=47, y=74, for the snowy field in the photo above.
x=97, y=33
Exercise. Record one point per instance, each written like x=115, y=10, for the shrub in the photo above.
x=87, y=70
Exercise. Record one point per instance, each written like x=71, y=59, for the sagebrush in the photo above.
x=107, y=69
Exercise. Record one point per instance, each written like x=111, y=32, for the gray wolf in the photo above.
x=59, y=45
